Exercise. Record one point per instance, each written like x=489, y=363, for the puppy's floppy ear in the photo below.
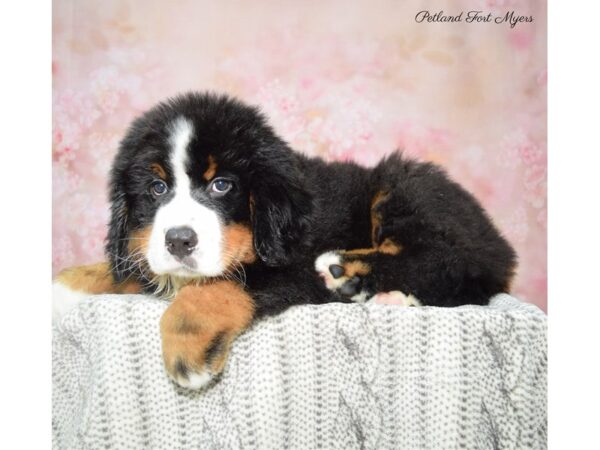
x=118, y=229
x=281, y=207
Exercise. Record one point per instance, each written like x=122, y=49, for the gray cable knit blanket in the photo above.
x=333, y=377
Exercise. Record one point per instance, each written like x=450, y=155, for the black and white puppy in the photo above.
x=212, y=209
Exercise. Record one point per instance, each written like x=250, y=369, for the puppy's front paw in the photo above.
x=345, y=275
x=77, y=283
x=64, y=299
x=198, y=329
x=194, y=350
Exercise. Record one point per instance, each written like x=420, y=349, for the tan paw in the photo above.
x=198, y=329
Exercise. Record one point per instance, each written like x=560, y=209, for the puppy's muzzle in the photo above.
x=181, y=241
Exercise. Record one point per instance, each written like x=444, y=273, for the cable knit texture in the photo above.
x=333, y=376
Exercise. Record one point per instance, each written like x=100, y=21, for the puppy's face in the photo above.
x=200, y=186
x=198, y=211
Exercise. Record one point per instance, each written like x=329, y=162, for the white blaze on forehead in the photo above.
x=183, y=210
x=181, y=135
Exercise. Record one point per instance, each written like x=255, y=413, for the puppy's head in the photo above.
x=201, y=185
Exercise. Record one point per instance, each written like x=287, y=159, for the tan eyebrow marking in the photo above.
x=211, y=170
x=159, y=170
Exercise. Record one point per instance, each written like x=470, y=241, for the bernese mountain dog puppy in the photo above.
x=214, y=211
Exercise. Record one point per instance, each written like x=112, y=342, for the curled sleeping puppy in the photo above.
x=214, y=211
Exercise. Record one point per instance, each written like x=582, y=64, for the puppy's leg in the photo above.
x=354, y=274
x=441, y=252
x=362, y=274
x=387, y=269
x=74, y=284
x=198, y=328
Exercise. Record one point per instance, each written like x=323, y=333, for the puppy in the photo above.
x=211, y=209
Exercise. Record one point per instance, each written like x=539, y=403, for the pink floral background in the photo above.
x=345, y=80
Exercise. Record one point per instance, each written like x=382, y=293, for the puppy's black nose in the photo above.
x=181, y=241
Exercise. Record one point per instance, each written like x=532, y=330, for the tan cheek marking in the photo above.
x=238, y=244
x=139, y=240
x=96, y=279
x=158, y=170
x=389, y=247
x=211, y=170
x=356, y=268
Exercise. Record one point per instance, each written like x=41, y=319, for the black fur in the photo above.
x=299, y=207
x=282, y=205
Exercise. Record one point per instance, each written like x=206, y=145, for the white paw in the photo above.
x=193, y=380
x=322, y=264
x=396, y=298
x=333, y=270
x=64, y=299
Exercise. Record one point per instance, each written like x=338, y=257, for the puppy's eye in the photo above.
x=158, y=187
x=221, y=185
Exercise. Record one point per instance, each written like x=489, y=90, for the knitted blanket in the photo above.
x=334, y=376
